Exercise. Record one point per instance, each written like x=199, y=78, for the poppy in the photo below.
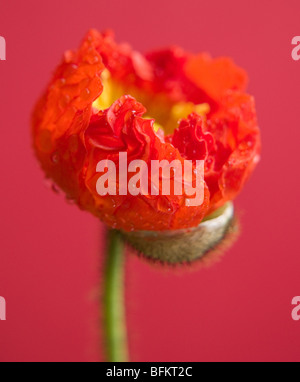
x=106, y=98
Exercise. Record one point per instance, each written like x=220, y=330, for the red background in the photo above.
x=239, y=309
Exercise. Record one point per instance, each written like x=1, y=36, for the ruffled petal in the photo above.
x=121, y=128
x=74, y=128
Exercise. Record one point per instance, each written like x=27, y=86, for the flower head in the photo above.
x=106, y=98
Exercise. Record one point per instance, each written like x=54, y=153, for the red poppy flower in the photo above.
x=106, y=98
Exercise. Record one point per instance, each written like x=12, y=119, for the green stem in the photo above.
x=114, y=306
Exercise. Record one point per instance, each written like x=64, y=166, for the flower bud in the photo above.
x=184, y=245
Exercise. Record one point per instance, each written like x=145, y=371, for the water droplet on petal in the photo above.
x=55, y=158
x=70, y=200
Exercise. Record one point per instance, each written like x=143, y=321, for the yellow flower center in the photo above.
x=166, y=112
